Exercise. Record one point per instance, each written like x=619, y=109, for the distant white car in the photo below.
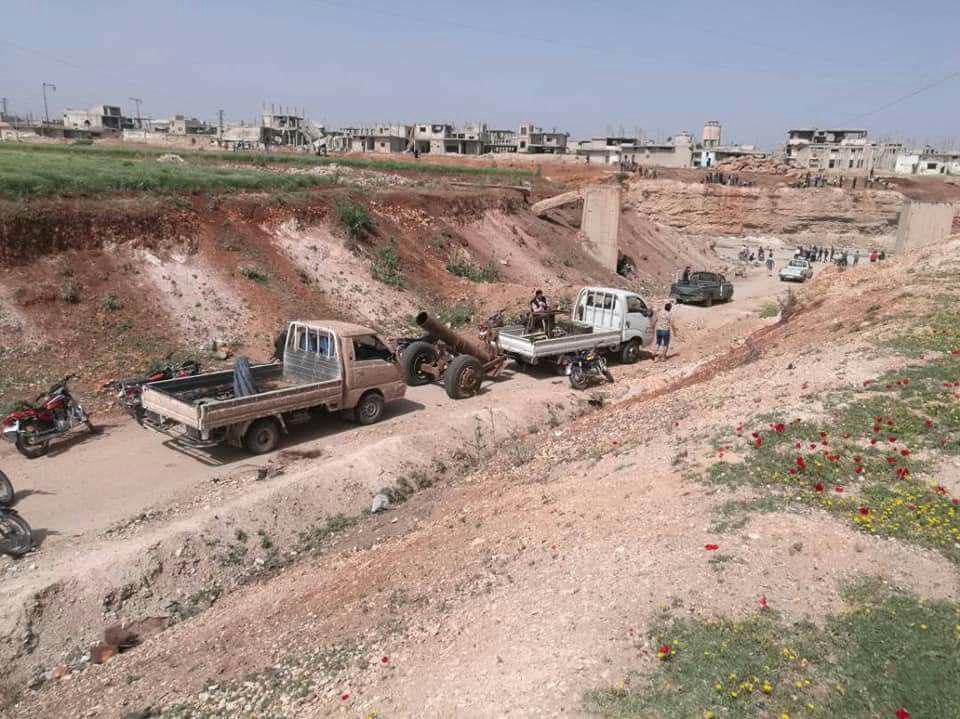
x=796, y=271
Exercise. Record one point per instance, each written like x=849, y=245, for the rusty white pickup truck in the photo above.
x=327, y=367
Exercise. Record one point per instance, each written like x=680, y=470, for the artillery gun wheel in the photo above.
x=463, y=377
x=412, y=360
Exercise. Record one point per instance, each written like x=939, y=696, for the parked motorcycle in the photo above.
x=16, y=537
x=587, y=367
x=130, y=390
x=52, y=414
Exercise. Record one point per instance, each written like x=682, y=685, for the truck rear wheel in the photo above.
x=412, y=360
x=463, y=377
x=630, y=352
x=369, y=409
x=262, y=436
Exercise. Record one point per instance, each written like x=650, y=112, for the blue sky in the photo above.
x=757, y=66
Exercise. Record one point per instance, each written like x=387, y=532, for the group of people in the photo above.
x=840, y=256
x=720, y=178
x=631, y=166
x=821, y=180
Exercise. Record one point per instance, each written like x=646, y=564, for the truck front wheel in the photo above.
x=369, y=409
x=463, y=377
x=262, y=436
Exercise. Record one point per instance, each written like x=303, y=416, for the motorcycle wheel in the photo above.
x=608, y=376
x=6, y=491
x=31, y=450
x=578, y=378
x=16, y=538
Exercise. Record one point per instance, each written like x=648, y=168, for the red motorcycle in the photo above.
x=52, y=414
x=130, y=389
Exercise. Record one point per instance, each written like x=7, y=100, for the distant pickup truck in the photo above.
x=705, y=287
x=797, y=270
x=327, y=367
x=602, y=318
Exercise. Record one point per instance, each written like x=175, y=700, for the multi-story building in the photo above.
x=382, y=138
x=928, y=161
x=535, y=140
x=98, y=118
x=677, y=151
x=835, y=151
x=500, y=141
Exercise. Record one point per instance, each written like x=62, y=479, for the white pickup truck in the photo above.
x=602, y=318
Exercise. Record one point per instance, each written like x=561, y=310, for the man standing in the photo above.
x=685, y=277
x=663, y=324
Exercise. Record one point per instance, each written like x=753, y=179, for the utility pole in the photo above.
x=139, y=119
x=46, y=112
x=220, y=137
x=3, y=101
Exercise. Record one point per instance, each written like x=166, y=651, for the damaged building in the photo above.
x=835, y=151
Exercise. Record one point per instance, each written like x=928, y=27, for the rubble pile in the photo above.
x=760, y=165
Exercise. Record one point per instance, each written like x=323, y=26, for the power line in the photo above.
x=902, y=98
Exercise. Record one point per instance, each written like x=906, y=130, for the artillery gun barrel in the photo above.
x=459, y=343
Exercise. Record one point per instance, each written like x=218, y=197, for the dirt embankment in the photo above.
x=811, y=215
x=117, y=283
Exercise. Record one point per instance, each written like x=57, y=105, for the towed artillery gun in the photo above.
x=460, y=363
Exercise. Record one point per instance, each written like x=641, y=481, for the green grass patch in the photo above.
x=386, y=267
x=82, y=171
x=459, y=264
x=864, y=463
x=457, y=314
x=27, y=170
x=938, y=332
x=888, y=650
x=769, y=309
x=354, y=219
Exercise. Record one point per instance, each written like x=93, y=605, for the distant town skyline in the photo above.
x=587, y=69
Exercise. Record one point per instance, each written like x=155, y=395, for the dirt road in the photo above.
x=89, y=483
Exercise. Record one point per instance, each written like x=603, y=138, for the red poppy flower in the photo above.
x=858, y=470
x=911, y=505
x=838, y=489
x=955, y=352
x=801, y=462
x=892, y=440
x=823, y=435
x=818, y=487
x=929, y=423
x=867, y=382
x=891, y=460
x=797, y=445
x=873, y=440
x=755, y=435
x=762, y=601
x=905, y=452
x=664, y=652
x=813, y=445
x=386, y=659
x=791, y=471
x=779, y=427
x=864, y=511
x=877, y=419
x=902, y=713
x=902, y=472
x=344, y=696
x=758, y=442
x=857, y=458
x=711, y=547
x=876, y=428
x=941, y=489
x=955, y=501
x=906, y=381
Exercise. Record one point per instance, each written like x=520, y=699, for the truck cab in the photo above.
x=605, y=308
